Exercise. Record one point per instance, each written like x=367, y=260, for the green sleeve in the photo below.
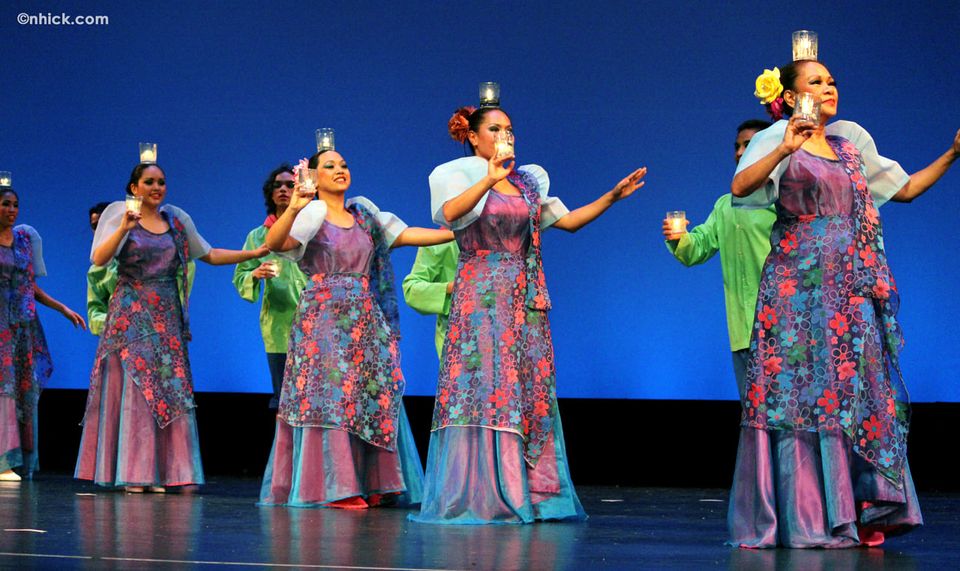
x=698, y=245
x=248, y=286
x=101, y=281
x=422, y=288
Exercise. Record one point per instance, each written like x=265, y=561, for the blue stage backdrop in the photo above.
x=229, y=90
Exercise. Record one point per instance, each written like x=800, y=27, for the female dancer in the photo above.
x=25, y=363
x=497, y=452
x=139, y=430
x=822, y=456
x=342, y=437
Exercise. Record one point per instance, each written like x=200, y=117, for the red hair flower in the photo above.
x=459, y=124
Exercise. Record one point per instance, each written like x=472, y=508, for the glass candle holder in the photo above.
x=134, y=203
x=676, y=219
x=272, y=266
x=6, y=179
x=504, y=143
x=308, y=180
x=804, y=45
x=325, y=140
x=148, y=153
x=489, y=94
x=807, y=107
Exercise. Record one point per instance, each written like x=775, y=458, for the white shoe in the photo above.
x=9, y=476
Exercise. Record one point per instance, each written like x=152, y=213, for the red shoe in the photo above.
x=354, y=503
x=872, y=535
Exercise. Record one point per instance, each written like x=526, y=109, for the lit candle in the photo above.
x=308, y=180
x=273, y=267
x=325, y=140
x=489, y=94
x=6, y=180
x=134, y=203
x=504, y=143
x=148, y=153
x=804, y=45
x=808, y=107
x=676, y=219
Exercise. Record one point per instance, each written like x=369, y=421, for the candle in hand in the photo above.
x=676, y=220
x=134, y=203
x=808, y=107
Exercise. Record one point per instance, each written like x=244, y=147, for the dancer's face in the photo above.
x=484, y=139
x=333, y=175
x=9, y=209
x=814, y=77
x=152, y=186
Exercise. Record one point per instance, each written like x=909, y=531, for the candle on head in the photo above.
x=148, y=153
x=804, y=45
x=325, y=140
x=489, y=94
x=6, y=179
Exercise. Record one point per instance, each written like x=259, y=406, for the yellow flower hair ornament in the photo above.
x=768, y=91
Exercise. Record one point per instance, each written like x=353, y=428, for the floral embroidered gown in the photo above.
x=25, y=364
x=342, y=431
x=822, y=455
x=497, y=453
x=139, y=428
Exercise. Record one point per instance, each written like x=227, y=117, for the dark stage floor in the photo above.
x=57, y=523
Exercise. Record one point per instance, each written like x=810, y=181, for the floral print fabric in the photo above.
x=497, y=369
x=146, y=323
x=343, y=363
x=25, y=364
x=826, y=340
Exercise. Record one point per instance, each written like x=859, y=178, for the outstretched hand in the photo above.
x=629, y=185
x=75, y=318
x=956, y=144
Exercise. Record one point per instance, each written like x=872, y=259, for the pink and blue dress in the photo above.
x=822, y=456
x=497, y=453
x=139, y=428
x=25, y=364
x=342, y=431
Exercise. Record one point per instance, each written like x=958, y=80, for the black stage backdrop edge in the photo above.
x=633, y=443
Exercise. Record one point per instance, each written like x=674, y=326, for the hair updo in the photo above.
x=466, y=119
